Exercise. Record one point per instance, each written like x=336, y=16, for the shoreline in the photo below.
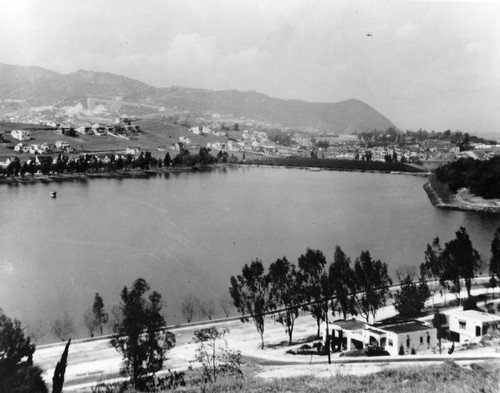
x=143, y=174
x=438, y=202
x=132, y=174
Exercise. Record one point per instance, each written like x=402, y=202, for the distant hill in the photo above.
x=39, y=86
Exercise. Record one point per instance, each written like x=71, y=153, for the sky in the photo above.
x=424, y=64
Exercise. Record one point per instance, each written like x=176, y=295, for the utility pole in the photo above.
x=327, y=335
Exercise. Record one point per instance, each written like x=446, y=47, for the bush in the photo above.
x=216, y=359
x=470, y=303
x=353, y=353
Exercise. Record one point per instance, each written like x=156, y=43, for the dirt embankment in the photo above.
x=462, y=200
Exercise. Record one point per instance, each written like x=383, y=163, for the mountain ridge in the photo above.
x=40, y=86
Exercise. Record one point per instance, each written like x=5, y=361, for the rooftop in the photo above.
x=405, y=327
x=349, y=324
x=476, y=315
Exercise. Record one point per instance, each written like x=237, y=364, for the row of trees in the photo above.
x=457, y=260
x=360, y=290
x=89, y=163
x=310, y=285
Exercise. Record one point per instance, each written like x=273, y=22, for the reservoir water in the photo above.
x=187, y=233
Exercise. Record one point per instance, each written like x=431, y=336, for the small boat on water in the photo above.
x=53, y=194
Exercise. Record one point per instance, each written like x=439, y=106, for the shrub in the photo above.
x=215, y=357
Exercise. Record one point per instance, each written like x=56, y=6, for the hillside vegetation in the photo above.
x=37, y=86
x=446, y=378
x=358, y=165
x=482, y=178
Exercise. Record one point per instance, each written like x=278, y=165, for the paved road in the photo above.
x=92, y=360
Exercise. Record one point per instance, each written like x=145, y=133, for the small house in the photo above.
x=85, y=130
x=403, y=337
x=399, y=337
x=471, y=324
x=21, y=135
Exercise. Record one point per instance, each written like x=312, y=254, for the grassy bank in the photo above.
x=441, y=189
x=446, y=378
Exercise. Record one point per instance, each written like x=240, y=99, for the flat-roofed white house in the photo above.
x=21, y=135
x=408, y=335
x=402, y=337
x=471, y=324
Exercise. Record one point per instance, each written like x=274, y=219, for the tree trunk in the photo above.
x=262, y=341
x=318, y=322
x=468, y=285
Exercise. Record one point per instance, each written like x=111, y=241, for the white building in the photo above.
x=62, y=144
x=471, y=324
x=22, y=135
x=406, y=336
x=85, y=130
x=185, y=140
x=132, y=150
x=19, y=147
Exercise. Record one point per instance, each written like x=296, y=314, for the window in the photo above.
x=428, y=338
x=462, y=324
x=421, y=340
x=390, y=343
x=408, y=341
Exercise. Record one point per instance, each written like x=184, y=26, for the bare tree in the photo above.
x=89, y=322
x=190, y=306
x=115, y=317
x=226, y=303
x=63, y=327
x=208, y=309
x=36, y=330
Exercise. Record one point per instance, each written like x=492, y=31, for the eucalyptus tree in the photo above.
x=495, y=257
x=373, y=281
x=311, y=272
x=343, y=282
x=141, y=337
x=286, y=293
x=432, y=267
x=100, y=316
x=251, y=295
x=460, y=260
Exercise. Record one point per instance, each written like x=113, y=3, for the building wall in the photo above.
x=422, y=340
x=470, y=328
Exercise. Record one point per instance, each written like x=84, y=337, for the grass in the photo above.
x=156, y=133
x=446, y=378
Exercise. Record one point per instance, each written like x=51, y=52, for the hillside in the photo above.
x=36, y=86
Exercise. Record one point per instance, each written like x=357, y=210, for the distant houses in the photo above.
x=21, y=135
